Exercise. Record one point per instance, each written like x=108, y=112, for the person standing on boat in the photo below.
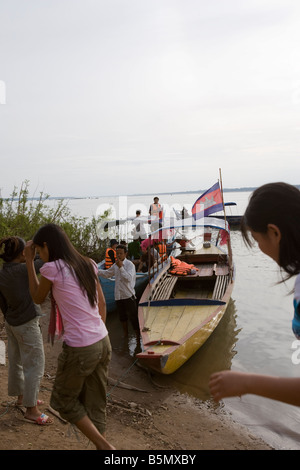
x=272, y=219
x=125, y=276
x=139, y=232
x=156, y=214
x=25, y=341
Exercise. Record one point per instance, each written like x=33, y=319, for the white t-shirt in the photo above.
x=125, y=278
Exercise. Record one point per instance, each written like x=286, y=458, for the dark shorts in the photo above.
x=81, y=382
x=127, y=309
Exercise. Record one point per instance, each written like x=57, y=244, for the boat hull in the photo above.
x=233, y=220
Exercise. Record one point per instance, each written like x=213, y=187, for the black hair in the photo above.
x=13, y=246
x=278, y=204
x=60, y=247
x=122, y=247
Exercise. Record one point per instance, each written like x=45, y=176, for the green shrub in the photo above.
x=22, y=215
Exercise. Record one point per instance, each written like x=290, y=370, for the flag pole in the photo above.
x=229, y=240
x=222, y=195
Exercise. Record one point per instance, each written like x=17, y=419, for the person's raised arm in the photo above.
x=231, y=384
x=101, y=302
x=127, y=274
x=110, y=272
x=39, y=289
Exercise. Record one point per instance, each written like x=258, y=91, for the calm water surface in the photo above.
x=255, y=334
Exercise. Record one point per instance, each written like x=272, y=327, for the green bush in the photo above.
x=22, y=216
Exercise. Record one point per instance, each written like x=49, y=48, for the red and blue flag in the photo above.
x=209, y=202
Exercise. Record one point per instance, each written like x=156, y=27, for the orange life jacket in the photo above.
x=108, y=261
x=156, y=210
x=162, y=249
x=180, y=268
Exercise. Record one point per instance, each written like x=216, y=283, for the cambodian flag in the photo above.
x=208, y=203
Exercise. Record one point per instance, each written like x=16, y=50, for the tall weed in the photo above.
x=22, y=215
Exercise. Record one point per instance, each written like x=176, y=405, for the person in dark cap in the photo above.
x=110, y=254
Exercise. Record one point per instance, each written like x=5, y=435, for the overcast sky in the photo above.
x=106, y=97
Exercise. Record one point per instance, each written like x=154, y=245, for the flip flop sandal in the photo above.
x=42, y=420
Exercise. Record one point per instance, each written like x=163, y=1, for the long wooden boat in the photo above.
x=178, y=312
x=108, y=287
x=234, y=220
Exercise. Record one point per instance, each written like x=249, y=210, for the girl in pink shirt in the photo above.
x=79, y=391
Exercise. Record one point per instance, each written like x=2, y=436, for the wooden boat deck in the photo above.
x=179, y=304
x=170, y=324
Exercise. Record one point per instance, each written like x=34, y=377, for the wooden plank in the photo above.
x=205, y=270
x=198, y=315
x=190, y=319
x=220, y=287
x=173, y=320
x=180, y=329
x=161, y=317
x=221, y=269
x=149, y=317
x=164, y=289
x=201, y=293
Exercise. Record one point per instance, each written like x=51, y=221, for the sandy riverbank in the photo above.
x=150, y=418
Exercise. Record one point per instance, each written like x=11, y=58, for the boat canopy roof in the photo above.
x=190, y=222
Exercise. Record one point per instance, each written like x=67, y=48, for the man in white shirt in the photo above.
x=125, y=276
x=139, y=231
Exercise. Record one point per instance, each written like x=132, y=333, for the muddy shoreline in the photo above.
x=141, y=414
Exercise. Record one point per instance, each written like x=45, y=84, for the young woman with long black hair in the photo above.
x=79, y=391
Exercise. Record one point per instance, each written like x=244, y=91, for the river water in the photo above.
x=254, y=335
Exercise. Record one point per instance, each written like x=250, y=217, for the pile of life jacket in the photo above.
x=181, y=268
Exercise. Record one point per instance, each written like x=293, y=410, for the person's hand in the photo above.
x=227, y=384
x=29, y=250
x=119, y=263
